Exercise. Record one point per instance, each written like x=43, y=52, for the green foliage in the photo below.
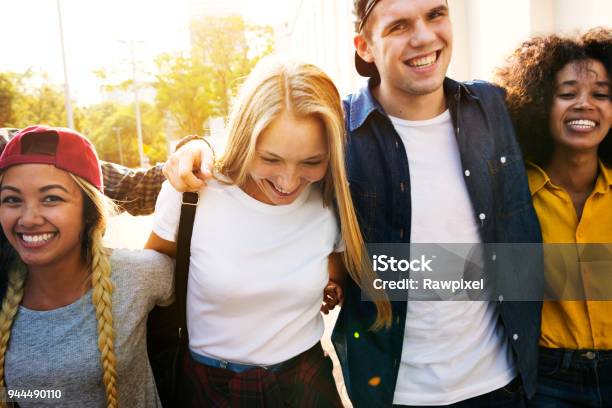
x=190, y=89
x=184, y=92
x=195, y=88
x=32, y=99
x=7, y=95
x=104, y=121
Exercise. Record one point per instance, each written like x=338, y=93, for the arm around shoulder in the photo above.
x=161, y=245
x=134, y=190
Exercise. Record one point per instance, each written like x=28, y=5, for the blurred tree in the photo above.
x=36, y=100
x=7, y=95
x=195, y=88
x=105, y=122
x=230, y=48
x=44, y=104
x=184, y=91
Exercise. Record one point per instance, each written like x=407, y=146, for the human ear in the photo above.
x=362, y=47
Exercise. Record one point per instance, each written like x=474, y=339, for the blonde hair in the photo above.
x=279, y=86
x=96, y=209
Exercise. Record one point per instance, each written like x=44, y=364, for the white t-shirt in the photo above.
x=257, y=272
x=452, y=350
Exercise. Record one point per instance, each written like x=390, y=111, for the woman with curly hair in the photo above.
x=73, y=319
x=560, y=98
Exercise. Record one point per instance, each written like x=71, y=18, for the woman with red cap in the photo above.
x=73, y=320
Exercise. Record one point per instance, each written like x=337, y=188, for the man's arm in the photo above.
x=133, y=190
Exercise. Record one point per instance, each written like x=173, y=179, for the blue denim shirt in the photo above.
x=380, y=186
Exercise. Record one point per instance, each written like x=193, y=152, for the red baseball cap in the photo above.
x=64, y=148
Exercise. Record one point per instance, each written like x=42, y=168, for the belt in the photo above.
x=569, y=356
x=239, y=367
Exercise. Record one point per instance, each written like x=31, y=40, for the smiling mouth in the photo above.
x=36, y=240
x=423, y=61
x=581, y=124
x=280, y=191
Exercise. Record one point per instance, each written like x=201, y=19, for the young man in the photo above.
x=431, y=160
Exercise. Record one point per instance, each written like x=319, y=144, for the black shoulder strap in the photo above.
x=183, y=251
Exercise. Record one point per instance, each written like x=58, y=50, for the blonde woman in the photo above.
x=269, y=232
x=73, y=320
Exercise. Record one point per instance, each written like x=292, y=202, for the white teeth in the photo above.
x=35, y=239
x=582, y=124
x=281, y=190
x=423, y=61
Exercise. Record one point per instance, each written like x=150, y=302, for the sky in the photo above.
x=96, y=35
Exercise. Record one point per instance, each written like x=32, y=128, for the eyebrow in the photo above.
x=276, y=156
x=567, y=83
x=42, y=189
x=11, y=188
x=442, y=8
x=53, y=186
x=574, y=82
x=394, y=22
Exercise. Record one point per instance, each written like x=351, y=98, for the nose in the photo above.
x=31, y=217
x=290, y=179
x=422, y=34
x=583, y=102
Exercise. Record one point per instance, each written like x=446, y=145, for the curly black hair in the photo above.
x=529, y=80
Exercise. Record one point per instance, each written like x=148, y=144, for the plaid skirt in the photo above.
x=306, y=382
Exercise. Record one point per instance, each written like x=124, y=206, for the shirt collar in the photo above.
x=604, y=181
x=363, y=102
x=538, y=178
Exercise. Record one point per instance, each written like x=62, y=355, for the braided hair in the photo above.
x=96, y=208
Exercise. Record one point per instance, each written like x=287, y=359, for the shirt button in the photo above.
x=515, y=337
x=590, y=355
x=396, y=144
x=482, y=216
x=494, y=257
x=467, y=173
x=402, y=233
x=501, y=299
x=502, y=159
x=402, y=186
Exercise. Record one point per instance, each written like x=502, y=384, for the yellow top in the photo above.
x=575, y=324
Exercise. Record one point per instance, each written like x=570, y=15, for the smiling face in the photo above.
x=41, y=213
x=410, y=42
x=290, y=154
x=581, y=110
